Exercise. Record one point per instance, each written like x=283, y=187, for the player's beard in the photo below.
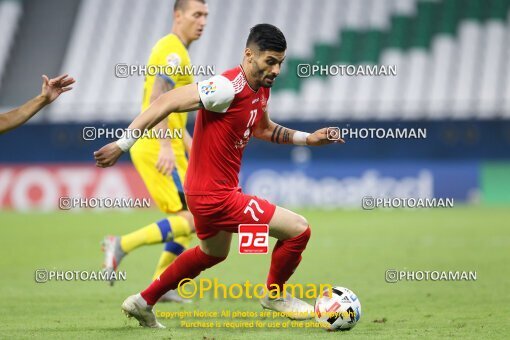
x=261, y=76
x=270, y=84
x=264, y=79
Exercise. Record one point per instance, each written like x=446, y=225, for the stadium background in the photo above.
x=453, y=78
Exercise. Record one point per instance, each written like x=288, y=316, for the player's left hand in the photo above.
x=166, y=159
x=52, y=88
x=322, y=137
x=107, y=155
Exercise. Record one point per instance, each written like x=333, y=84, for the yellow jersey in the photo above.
x=171, y=56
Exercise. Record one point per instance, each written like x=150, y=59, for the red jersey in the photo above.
x=222, y=131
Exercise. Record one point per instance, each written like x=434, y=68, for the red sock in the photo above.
x=187, y=265
x=285, y=259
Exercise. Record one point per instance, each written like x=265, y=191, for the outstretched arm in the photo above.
x=269, y=131
x=182, y=99
x=51, y=89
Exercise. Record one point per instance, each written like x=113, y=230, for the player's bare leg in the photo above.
x=218, y=245
x=188, y=265
x=293, y=232
x=286, y=224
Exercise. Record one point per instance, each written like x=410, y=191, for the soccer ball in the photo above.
x=340, y=311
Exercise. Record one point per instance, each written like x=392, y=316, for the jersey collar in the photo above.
x=245, y=78
x=180, y=41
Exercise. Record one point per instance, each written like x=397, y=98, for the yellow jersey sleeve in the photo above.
x=172, y=60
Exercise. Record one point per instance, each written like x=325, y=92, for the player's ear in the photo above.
x=177, y=14
x=248, y=53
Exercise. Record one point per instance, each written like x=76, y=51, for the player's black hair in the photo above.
x=181, y=4
x=267, y=38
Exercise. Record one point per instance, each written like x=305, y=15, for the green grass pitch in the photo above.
x=348, y=248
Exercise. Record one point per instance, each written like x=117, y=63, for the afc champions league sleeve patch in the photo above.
x=216, y=94
x=173, y=60
x=208, y=88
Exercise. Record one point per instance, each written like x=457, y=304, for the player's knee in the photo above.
x=209, y=260
x=219, y=252
x=220, y=259
x=301, y=224
x=216, y=257
x=301, y=240
x=306, y=234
